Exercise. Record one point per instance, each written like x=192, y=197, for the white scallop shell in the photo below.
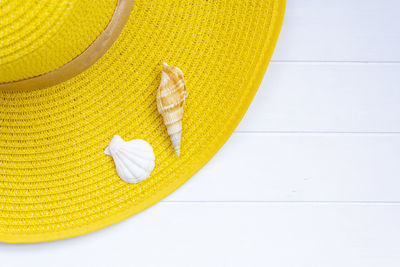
x=134, y=160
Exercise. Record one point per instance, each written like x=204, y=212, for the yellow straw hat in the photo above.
x=74, y=73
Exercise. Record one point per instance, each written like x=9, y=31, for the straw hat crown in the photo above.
x=37, y=37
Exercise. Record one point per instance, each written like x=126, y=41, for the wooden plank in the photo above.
x=231, y=234
x=341, y=30
x=326, y=97
x=299, y=167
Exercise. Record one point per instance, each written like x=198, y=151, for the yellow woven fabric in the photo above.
x=37, y=37
x=55, y=180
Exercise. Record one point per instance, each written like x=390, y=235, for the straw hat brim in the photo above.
x=56, y=182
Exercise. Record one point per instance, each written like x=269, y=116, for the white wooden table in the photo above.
x=311, y=177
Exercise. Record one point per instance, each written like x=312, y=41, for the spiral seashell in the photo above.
x=171, y=97
x=134, y=160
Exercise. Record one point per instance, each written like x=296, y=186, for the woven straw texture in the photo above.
x=55, y=180
x=37, y=37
